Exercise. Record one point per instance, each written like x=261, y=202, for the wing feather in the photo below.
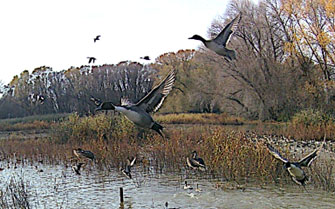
x=306, y=161
x=155, y=98
x=276, y=154
x=125, y=102
x=96, y=101
x=224, y=36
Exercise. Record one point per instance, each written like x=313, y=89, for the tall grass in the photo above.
x=199, y=118
x=227, y=153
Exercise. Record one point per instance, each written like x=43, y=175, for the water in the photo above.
x=58, y=187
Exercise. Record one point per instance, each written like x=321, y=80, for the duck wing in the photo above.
x=132, y=162
x=224, y=36
x=276, y=154
x=154, y=99
x=96, y=101
x=126, y=102
x=307, y=160
x=199, y=162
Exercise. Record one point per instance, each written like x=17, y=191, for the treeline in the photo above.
x=285, y=64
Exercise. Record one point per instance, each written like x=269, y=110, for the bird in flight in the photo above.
x=294, y=168
x=219, y=43
x=139, y=113
x=145, y=58
x=80, y=153
x=91, y=59
x=97, y=38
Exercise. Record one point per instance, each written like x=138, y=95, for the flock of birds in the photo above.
x=139, y=113
x=91, y=60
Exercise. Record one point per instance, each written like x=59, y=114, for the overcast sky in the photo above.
x=60, y=33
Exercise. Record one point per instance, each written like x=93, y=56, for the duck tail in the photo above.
x=158, y=128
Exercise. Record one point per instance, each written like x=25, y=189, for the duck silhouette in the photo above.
x=97, y=38
x=91, y=59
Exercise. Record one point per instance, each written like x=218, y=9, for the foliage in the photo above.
x=311, y=124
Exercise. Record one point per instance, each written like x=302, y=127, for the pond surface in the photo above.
x=59, y=187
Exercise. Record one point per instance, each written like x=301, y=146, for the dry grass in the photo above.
x=199, y=118
x=227, y=153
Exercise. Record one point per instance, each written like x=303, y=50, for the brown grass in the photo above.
x=227, y=153
x=199, y=118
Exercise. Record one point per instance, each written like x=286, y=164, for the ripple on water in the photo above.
x=58, y=186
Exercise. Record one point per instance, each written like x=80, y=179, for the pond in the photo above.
x=57, y=186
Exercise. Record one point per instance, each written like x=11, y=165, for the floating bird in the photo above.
x=79, y=153
x=97, y=38
x=76, y=168
x=91, y=59
x=127, y=170
x=219, y=43
x=139, y=113
x=294, y=168
x=198, y=189
x=187, y=186
x=145, y=58
x=167, y=206
x=196, y=162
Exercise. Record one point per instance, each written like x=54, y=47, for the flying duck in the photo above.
x=76, y=168
x=219, y=43
x=97, y=38
x=127, y=170
x=139, y=113
x=294, y=168
x=196, y=162
x=96, y=101
x=91, y=59
x=145, y=58
x=79, y=153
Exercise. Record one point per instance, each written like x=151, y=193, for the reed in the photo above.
x=199, y=118
x=228, y=153
x=15, y=194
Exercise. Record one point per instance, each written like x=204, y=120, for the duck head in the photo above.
x=287, y=165
x=105, y=106
x=197, y=37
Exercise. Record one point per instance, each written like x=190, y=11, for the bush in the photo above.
x=311, y=124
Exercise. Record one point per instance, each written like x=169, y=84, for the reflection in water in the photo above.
x=60, y=187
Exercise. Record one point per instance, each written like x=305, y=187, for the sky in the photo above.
x=60, y=34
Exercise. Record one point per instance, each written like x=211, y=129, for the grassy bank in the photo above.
x=31, y=122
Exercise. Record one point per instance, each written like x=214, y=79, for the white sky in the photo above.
x=60, y=33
